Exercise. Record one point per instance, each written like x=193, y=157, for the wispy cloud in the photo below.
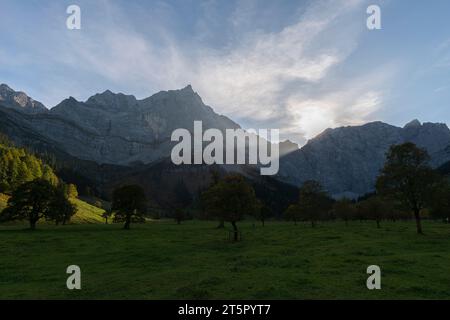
x=286, y=78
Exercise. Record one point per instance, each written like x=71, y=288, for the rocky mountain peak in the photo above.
x=347, y=160
x=187, y=93
x=71, y=99
x=188, y=88
x=182, y=101
x=287, y=146
x=112, y=101
x=4, y=88
x=413, y=124
x=19, y=100
x=118, y=129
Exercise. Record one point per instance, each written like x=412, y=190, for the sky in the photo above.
x=297, y=65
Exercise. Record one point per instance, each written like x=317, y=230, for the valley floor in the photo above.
x=163, y=260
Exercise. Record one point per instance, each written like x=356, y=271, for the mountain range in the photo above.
x=347, y=160
x=111, y=138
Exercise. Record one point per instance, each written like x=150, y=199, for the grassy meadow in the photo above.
x=86, y=213
x=163, y=260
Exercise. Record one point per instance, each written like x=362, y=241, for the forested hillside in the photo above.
x=3, y=201
x=18, y=166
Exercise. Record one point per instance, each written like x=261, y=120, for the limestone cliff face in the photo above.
x=347, y=160
x=19, y=101
x=119, y=129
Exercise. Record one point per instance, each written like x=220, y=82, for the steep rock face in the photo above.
x=19, y=101
x=435, y=137
x=119, y=129
x=347, y=160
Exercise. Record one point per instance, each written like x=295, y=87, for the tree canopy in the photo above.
x=129, y=203
x=18, y=166
x=373, y=208
x=406, y=176
x=344, y=209
x=182, y=200
x=61, y=209
x=440, y=201
x=292, y=213
x=314, y=202
x=38, y=199
x=229, y=200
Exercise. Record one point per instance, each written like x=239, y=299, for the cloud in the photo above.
x=285, y=78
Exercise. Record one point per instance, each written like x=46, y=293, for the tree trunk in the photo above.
x=106, y=220
x=221, y=225
x=32, y=224
x=236, y=234
x=378, y=224
x=418, y=222
x=263, y=222
x=313, y=224
x=346, y=223
x=127, y=223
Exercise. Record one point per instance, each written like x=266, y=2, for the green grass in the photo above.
x=86, y=213
x=162, y=260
